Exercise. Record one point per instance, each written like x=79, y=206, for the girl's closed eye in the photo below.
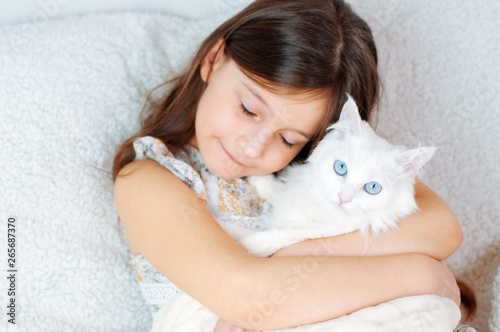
x=246, y=111
x=287, y=144
x=249, y=113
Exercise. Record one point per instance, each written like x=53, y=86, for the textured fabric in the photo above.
x=71, y=91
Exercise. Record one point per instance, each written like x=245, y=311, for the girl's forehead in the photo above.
x=263, y=90
x=296, y=94
x=300, y=108
x=299, y=113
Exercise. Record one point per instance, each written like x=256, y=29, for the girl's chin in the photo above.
x=226, y=176
x=227, y=173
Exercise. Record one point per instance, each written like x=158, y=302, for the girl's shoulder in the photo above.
x=145, y=193
x=186, y=165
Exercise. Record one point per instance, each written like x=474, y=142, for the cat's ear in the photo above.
x=413, y=160
x=349, y=117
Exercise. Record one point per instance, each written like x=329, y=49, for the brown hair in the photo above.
x=468, y=302
x=285, y=45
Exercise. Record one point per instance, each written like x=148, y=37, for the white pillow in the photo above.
x=38, y=11
x=70, y=93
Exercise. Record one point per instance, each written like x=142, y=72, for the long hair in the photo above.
x=286, y=45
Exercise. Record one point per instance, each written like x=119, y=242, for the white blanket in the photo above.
x=417, y=313
x=428, y=313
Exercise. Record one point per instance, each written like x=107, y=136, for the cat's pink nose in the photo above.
x=346, y=195
x=343, y=200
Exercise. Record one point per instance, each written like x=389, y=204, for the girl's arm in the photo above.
x=433, y=231
x=167, y=224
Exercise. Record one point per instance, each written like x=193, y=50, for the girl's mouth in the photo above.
x=231, y=156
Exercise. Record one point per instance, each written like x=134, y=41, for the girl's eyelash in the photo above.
x=246, y=111
x=287, y=144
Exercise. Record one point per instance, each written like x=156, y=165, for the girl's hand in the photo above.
x=446, y=284
x=223, y=326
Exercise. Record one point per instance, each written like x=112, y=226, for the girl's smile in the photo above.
x=231, y=157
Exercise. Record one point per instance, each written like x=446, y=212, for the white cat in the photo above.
x=353, y=179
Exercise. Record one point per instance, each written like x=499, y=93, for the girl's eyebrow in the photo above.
x=263, y=101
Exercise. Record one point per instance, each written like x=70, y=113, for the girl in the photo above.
x=259, y=94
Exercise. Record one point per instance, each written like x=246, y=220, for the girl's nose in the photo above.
x=254, y=149
x=254, y=145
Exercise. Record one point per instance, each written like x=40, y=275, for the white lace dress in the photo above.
x=229, y=201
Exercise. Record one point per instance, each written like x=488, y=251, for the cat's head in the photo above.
x=363, y=174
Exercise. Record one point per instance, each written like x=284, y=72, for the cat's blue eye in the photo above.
x=373, y=187
x=340, y=167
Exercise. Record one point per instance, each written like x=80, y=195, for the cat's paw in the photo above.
x=264, y=185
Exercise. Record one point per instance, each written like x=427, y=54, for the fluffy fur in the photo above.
x=314, y=195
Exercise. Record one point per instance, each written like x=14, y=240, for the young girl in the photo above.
x=259, y=94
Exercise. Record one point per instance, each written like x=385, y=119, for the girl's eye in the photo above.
x=340, y=167
x=373, y=187
x=246, y=111
x=287, y=144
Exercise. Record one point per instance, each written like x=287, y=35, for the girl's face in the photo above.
x=241, y=129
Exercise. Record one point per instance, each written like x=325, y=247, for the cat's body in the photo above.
x=354, y=179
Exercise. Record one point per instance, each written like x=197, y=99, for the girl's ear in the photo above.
x=211, y=59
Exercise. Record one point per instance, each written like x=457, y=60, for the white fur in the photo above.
x=308, y=195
